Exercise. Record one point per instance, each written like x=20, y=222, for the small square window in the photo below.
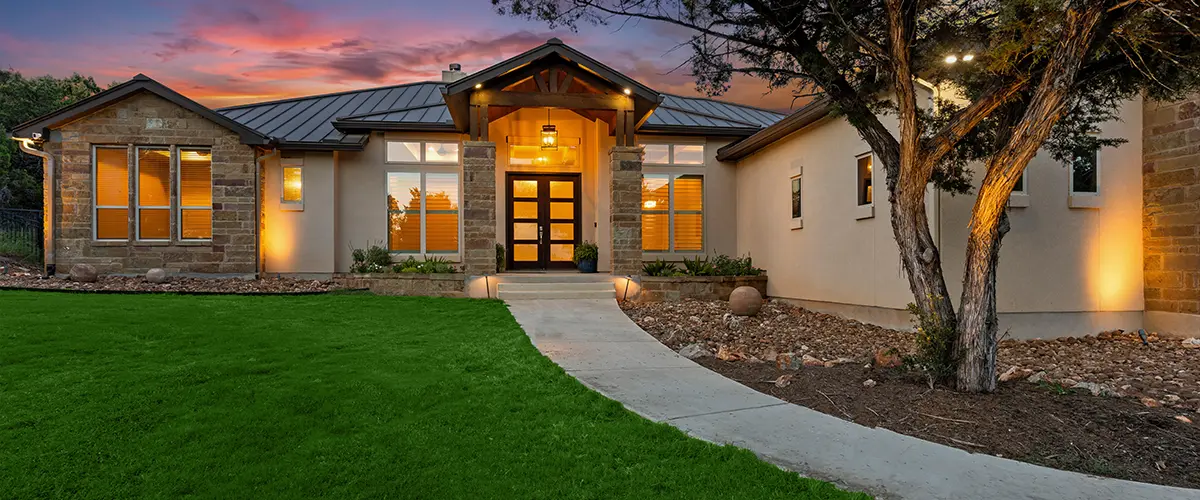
x=1019, y=188
x=865, y=189
x=293, y=185
x=1085, y=173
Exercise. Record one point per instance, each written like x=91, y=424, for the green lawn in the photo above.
x=343, y=396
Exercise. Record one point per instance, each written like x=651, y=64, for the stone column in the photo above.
x=478, y=208
x=625, y=213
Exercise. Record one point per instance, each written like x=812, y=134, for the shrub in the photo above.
x=699, y=266
x=586, y=251
x=375, y=259
x=500, y=261
x=431, y=265
x=724, y=265
x=935, y=344
x=659, y=268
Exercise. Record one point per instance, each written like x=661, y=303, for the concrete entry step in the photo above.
x=529, y=289
x=549, y=277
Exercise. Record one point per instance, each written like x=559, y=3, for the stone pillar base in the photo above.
x=478, y=208
x=625, y=214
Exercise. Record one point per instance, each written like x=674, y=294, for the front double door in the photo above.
x=543, y=220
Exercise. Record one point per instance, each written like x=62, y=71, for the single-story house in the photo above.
x=551, y=148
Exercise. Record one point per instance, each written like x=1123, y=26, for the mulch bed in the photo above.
x=1043, y=422
x=23, y=279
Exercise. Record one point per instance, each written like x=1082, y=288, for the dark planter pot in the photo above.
x=587, y=266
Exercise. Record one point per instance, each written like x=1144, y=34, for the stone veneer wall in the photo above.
x=625, y=214
x=1171, y=210
x=428, y=285
x=479, y=208
x=144, y=119
x=676, y=288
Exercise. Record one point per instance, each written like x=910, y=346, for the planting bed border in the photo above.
x=676, y=288
x=418, y=284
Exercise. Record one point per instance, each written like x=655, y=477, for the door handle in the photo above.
x=540, y=233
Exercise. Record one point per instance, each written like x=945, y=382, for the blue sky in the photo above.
x=225, y=52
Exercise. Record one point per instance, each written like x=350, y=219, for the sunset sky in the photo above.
x=226, y=52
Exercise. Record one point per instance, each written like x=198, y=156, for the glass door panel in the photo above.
x=544, y=215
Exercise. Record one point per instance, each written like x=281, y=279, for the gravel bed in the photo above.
x=1166, y=372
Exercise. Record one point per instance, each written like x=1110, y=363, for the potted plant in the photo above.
x=585, y=257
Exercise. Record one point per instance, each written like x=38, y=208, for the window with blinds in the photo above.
x=423, y=212
x=195, y=194
x=672, y=212
x=111, y=190
x=153, y=194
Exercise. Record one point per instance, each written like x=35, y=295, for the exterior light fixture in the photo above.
x=627, y=91
x=968, y=57
x=478, y=86
x=549, y=134
x=951, y=59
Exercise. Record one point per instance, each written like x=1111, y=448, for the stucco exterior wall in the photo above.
x=1063, y=271
x=300, y=240
x=144, y=119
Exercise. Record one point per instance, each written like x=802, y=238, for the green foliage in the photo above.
x=375, y=259
x=23, y=99
x=659, y=268
x=431, y=265
x=17, y=246
x=725, y=265
x=586, y=251
x=935, y=342
x=698, y=266
x=501, y=262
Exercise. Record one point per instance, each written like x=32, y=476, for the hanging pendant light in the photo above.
x=549, y=134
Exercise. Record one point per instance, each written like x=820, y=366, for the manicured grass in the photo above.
x=343, y=396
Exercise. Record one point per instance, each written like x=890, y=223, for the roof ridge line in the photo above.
x=710, y=115
x=319, y=96
x=740, y=105
x=386, y=111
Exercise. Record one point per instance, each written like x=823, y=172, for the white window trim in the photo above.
x=422, y=170
x=137, y=191
x=422, y=161
x=180, y=207
x=1086, y=199
x=866, y=211
x=288, y=205
x=97, y=207
x=671, y=153
x=1020, y=198
x=672, y=173
x=797, y=175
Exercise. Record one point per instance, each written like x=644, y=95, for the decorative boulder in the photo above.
x=83, y=273
x=693, y=351
x=745, y=301
x=888, y=357
x=157, y=275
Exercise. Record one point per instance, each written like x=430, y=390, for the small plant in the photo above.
x=659, y=268
x=586, y=251
x=375, y=259
x=501, y=263
x=431, y=265
x=699, y=266
x=724, y=265
x=935, y=344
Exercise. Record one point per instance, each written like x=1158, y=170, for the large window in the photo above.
x=422, y=212
x=153, y=194
x=111, y=189
x=195, y=194
x=673, y=212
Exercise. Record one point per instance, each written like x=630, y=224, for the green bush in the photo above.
x=501, y=263
x=659, y=268
x=375, y=259
x=586, y=251
x=935, y=344
x=725, y=265
x=431, y=265
x=699, y=266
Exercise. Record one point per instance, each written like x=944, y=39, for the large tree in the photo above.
x=23, y=99
x=1044, y=74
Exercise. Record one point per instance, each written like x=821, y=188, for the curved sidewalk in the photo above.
x=596, y=343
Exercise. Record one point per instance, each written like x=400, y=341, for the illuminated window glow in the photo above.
x=423, y=212
x=153, y=194
x=672, y=212
x=195, y=194
x=111, y=185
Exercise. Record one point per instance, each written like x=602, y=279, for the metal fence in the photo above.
x=21, y=235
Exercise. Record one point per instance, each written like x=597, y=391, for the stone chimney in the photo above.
x=454, y=74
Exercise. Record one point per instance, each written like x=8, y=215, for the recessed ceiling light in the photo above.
x=968, y=57
x=951, y=59
x=478, y=85
x=627, y=91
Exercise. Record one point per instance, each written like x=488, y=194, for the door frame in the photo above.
x=543, y=262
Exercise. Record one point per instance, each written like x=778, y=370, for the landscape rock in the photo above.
x=83, y=273
x=1015, y=373
x=1095, y=389
x=694, y=351
x=1192, y=343
x=1149, y=402
x=788, y=361
x=869, y=383
x=731, y=321
x=888, y=357
x=745, y=301
x=1183, y=419
x=1037, y=377
x=783, y=381
x=157, y=275
x=811, y=361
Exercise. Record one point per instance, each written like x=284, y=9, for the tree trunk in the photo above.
x=919, y=256
x=977, y=322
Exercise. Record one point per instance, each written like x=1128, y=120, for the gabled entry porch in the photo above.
x=551, y=161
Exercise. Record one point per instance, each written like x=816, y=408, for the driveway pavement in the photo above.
x=596, y=343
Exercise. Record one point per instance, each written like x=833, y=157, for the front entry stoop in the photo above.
x=555, y=286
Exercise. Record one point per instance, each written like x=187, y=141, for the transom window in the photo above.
x=422, y=152
x=673, y=212
x=422, y=212
x=673, y=154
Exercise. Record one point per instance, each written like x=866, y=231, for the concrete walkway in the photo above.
x=596, y=343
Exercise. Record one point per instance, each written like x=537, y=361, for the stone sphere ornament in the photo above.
x=745, y=301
